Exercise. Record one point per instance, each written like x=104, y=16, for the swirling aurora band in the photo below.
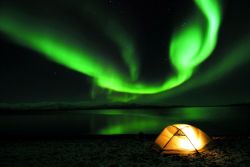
x=189, y=47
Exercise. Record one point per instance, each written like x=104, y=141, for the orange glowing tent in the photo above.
x=181, y=139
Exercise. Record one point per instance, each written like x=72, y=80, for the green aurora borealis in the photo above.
x=120, y=60
x=189, y=47
x=75, y=54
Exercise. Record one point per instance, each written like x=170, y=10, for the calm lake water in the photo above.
x=213, y=120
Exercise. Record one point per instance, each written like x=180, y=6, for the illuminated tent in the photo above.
x=181, y=139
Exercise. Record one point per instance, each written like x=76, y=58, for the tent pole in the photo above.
x=190, y=141
x=170, y=139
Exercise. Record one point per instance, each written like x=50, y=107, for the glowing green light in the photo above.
x=188, y=48
x=191, y=46
x=129, y=122
x=126, y=46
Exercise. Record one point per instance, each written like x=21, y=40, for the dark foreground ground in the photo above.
x=134, y=151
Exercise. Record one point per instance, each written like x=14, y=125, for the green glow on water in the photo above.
x=189, y=47
x=149, y=121
x=130, y=127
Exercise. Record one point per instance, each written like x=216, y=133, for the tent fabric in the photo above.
x=181, y=138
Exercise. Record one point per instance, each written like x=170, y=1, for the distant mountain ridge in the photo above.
x=44, y=106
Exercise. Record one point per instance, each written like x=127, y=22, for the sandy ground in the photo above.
x=132, y=151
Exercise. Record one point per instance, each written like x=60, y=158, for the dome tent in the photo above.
x=181, y=139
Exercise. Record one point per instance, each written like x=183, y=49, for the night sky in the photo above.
x=128, y=40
